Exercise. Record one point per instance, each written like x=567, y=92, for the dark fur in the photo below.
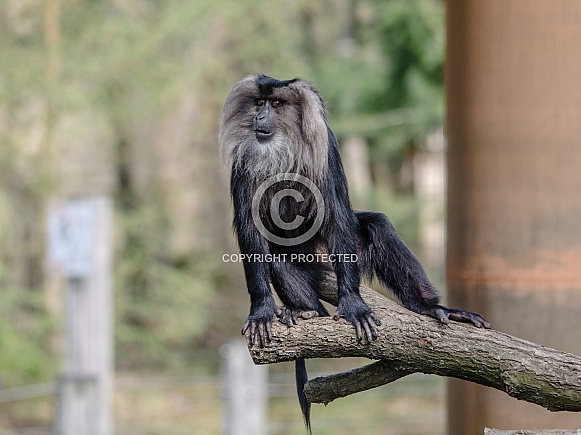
x=304, y=144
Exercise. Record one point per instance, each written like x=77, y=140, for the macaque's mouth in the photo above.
x=262, y=133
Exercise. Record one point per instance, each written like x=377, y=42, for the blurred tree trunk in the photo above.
x=514, y=204
x=52, y=37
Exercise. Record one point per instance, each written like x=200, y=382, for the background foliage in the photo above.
x=123, y=97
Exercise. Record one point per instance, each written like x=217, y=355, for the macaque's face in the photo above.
x=271, y=126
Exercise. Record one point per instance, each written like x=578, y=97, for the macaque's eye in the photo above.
x=276, y=103
x=260, y=102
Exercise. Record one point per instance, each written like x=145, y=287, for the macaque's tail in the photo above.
x=301, y=379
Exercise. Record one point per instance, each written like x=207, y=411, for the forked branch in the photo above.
x=410, y=343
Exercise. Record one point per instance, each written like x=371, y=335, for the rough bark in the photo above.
x=488, y=431
x=409, y=343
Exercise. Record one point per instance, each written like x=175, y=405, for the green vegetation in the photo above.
x=123, y=97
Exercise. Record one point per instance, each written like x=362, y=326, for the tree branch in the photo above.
x=409, y=343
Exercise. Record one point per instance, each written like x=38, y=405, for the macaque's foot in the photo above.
x=444, y=315
x=356, y=312
x=260, y=324
x=290, y=317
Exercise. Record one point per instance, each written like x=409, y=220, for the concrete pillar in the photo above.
x=513, y=87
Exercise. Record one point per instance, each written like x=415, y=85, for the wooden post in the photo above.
x=513, y=74
x=245, y=391
x=80, y=243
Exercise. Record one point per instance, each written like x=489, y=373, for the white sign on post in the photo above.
x=71, y=231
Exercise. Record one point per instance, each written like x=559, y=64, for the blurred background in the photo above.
x=121, y=99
